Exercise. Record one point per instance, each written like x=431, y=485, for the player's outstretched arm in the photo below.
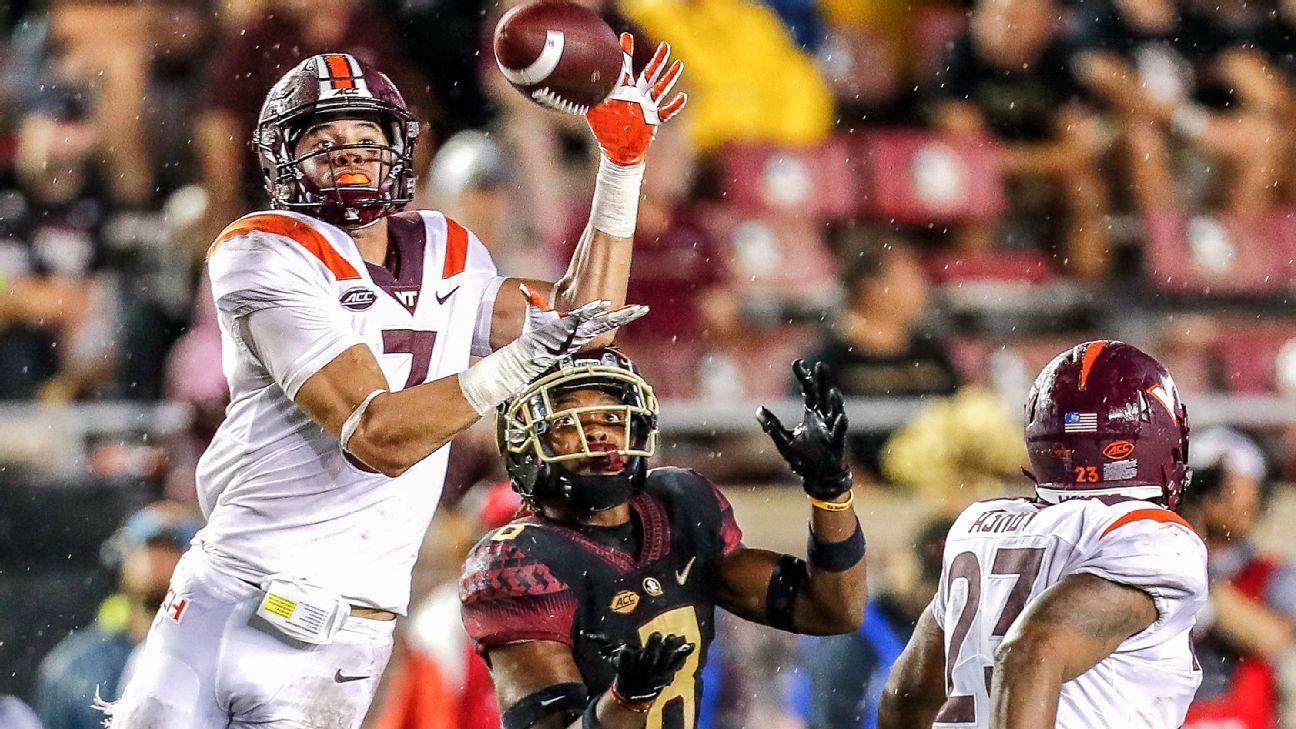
x=391, y=431
x=539, y=686
x=624, y=126
x=1066, y=631
x=916, y=688
x=826, y=593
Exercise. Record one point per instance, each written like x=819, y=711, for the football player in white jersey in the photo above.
x=1072, y=609
x=347, y=327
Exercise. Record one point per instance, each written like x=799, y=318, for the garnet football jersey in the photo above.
x=1002, y=554
x=536, y=579
x=292, y=293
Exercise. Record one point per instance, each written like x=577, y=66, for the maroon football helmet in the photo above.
x=1104, y=418
x=322, y=88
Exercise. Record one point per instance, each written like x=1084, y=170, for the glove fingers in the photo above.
x=654, y=68
x=590, y=310
x=667, y=82
x=770, y=423
x=823, y=387
x=534, y=298
x=626, y=314
x=805, y=377
x=627, y=60
x=681, y=654
x=671, y=109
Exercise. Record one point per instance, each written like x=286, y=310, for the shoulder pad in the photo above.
x=295, y=229
x=512, y=561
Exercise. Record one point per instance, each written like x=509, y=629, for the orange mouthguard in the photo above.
x=353, y=178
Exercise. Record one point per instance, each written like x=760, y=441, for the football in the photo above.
x=558, y=54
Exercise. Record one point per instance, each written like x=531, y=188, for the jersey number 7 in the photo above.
x=1022, y=562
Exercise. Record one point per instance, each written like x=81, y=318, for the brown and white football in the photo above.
x=558, y=54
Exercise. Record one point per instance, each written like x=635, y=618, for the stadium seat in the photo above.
x=1247, y=356
x=820, y=182
x=1024, y=266
x=778, y=260
x=920, y=178
x=1220, y=254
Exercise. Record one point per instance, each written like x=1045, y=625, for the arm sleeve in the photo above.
x=282, y=305
x=509, y=596
x=1165, y=559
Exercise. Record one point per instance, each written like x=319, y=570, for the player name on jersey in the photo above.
x=998, y=522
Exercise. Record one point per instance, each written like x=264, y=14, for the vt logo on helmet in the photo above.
x=580, y=434
x=347, y=185
x=1105, y=418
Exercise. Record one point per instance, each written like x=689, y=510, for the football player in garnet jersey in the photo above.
x=346, y=384
x=1072, y=609
x=597, y=606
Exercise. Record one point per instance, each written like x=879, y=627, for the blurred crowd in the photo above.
x=932, y=196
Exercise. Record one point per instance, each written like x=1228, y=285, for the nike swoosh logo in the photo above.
x=442, y=299
x=347, y=679
x=682, y=576
x=546, y=702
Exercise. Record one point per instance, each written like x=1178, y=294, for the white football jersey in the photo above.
x=1001, y=554
x=292, y=293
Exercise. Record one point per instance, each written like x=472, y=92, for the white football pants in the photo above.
x=204, y=667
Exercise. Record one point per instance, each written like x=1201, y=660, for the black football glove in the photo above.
x=643, y=672
x=816, y=448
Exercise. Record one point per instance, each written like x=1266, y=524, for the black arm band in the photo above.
x=789, y=578
x=589, y=720
x=568, y=698
x=836, y=556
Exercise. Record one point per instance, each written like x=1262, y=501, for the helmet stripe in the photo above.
x=339, y=70
x=1092, y=350
x=1162, y=515
x=456, y=249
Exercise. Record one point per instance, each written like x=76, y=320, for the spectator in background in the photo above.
x=752, y=82
x=56, y=315
x=1186, y=77
x=680, y=273
x=250, y=60
x=1008, y=81
x=1245, y=632
x=469, y=180
x=15, y=714
x=840, y=679
x=878, y=344
x=92, y=662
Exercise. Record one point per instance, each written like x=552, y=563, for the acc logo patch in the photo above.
x=358, y=298
x=624, y=602
x=1118, y=449
x=653, y=587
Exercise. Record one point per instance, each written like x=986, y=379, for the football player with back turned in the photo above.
x=1072, y=609
x=595, y=610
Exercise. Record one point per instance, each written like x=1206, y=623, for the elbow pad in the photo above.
x=562, y=698
x=786, y=583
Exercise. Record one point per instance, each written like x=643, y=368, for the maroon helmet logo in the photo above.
x=1118, y=449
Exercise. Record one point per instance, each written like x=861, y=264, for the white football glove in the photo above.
x=546, y=337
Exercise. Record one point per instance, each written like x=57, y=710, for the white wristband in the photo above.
x=497, y=377
x=616, y=198
x=352, y=423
